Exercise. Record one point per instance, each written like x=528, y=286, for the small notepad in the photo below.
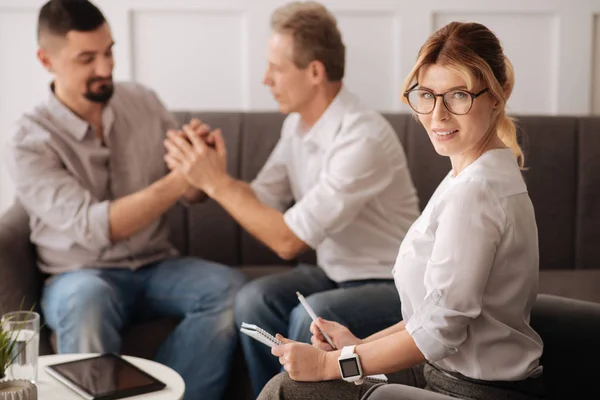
x=376, y=378
x=260, y=334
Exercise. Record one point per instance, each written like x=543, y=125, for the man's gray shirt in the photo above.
x=65, y=177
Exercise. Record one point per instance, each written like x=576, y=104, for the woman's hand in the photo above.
x=303, y=362
x=340, y=335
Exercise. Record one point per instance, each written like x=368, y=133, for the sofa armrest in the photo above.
x=570, y=330
x=20, y=279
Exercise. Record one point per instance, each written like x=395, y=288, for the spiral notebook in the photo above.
x=265, y=337
x=260, y=334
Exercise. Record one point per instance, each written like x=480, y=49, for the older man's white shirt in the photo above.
x=354, y=197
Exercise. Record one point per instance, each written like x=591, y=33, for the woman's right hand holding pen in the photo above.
x=340, y=335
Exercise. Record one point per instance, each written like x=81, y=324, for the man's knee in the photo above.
x=255, y=297
x=300, y=320
x=320, y=304
x=225, y=286
x=215, y=284
x=236, y=281
x=82, y=298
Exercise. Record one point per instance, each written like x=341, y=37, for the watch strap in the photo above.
x=348, y=350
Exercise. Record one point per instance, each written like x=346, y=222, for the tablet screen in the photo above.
x=107, y=376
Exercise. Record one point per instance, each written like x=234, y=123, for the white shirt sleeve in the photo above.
x=467, y=227
x=356, y=170
x=272, y=185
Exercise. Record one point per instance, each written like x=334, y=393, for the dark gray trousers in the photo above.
x=424, y=382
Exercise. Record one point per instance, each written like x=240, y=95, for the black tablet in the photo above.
x=104, y=377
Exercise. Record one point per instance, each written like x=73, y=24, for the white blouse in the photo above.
x=467, y=273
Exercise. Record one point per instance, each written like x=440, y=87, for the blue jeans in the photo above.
x=88, y=310
x=365, y=307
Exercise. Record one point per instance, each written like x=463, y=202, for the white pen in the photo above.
x=312, y=314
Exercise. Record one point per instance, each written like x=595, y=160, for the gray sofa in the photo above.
x=563, y=156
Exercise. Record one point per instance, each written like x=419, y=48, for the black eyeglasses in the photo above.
x=458, y=102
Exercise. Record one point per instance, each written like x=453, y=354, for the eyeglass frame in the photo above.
x=414, y=88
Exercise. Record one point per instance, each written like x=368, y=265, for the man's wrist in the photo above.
x=221, y=187
x=177, y=182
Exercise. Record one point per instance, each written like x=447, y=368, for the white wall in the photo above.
x=596, y=65
x=209, y=54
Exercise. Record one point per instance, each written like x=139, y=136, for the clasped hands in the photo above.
x=199, y=154
x=316, y=362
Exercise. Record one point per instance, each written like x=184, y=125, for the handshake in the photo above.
x=198, y=128
x=199, y=154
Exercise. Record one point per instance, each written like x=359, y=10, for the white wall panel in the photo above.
x=192, y=59
x=530, y=42
x=257, y=37
x=23, y=81
x=596, y=66
x=372, y=42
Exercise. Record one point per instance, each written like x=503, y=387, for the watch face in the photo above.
x=349, y=368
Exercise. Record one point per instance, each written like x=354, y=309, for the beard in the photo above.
x=104, y=92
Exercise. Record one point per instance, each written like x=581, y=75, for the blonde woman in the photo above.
x=467, y=271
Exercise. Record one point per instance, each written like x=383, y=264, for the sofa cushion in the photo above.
x=399, y=123
x=550, y=151
x=20, y=278
x=574, y=284
x=587, y=236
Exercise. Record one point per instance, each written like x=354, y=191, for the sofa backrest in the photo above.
x=562, y=156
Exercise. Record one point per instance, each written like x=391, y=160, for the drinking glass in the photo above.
x=24, y=327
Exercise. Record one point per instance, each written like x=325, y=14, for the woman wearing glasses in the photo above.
x=467, y=271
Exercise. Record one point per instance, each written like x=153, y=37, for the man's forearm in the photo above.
x=263, y=222
x=134, y=212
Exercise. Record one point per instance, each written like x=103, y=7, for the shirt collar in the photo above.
x=325, y=129
x=71, y=122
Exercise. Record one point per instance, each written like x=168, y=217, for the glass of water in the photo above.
x=24, y=327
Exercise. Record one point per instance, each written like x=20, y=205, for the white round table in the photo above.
x=51, y=389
